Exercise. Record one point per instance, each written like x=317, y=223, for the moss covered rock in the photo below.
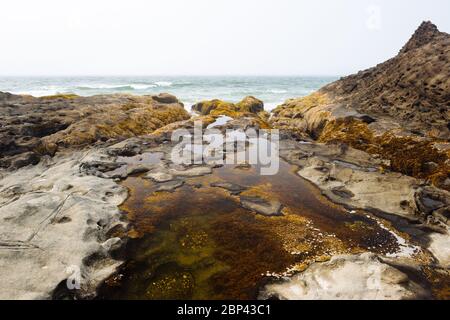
x=249, y=106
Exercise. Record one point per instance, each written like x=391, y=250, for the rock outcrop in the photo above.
x=412, y=88
x=32, y=127
x=57, y=224
x=249, y=107
x=398, y=110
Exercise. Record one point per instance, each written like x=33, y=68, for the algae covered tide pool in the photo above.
x=200, y=242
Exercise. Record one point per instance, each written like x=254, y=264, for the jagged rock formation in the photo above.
x=413, y=88
x=426, y=33
x=398, y=110
x=32, y=127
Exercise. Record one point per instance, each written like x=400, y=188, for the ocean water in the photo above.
x=190, y=90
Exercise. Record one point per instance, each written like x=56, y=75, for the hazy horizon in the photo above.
x=51, y=38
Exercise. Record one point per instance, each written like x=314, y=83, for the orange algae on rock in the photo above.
x=301, y=105
x=64, y=96
x=118, y=121
x=351, y=132
x=415, y=157
x=249, y=107
x=303, y=116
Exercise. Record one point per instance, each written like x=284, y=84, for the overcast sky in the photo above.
x=203, y=37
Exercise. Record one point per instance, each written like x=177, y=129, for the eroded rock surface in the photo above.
x=345, y=175
x=409, y=92
x=397, y=110
x=55, y=224
x=249, y=107
x=261, y=206
x=356, y=180
x=347, y=277
x=59, y=216
x=32, y=127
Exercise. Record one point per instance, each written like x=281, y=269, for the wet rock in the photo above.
x=442, y=214
x=169, y=186
x=165, y=98
x=339, y=182
x=366, y=118
x=243, y=166
x=127, y=149
x=431, y=166
x=98, y=167
x=429, y=199
x=343, y=192
x=347, y=277
x=391, y=193
x=112, y=244
x=234, y=189
x=251, y=104
x=261, y=206
x=191, y=172
x=137, y=169
x=440, y=247
x=24, y=159
x=5, y=96
x=206, y=107
x=248, y=107
x=159, y=176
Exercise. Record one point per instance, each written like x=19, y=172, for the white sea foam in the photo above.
x=127, y=86
x=36, y=93
x=276, y=91
x=220, y=121
x=405, y=249
x=44, y=91
x=143, y=86
x=101, y=86
x=272, y=90
x=269, y=106
x=163, y=83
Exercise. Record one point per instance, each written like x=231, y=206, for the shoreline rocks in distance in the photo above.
x=33, y=127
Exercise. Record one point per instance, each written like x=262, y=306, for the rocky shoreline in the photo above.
x=375, y=144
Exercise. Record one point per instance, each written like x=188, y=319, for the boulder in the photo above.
x=261, y=206
x=169, y=186
x=159, y=176
x=251, y=104
x=234, y=189
x=165, y=98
